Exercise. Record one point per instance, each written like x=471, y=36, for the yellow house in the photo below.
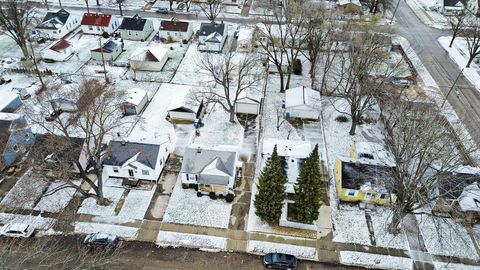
x=363, y=180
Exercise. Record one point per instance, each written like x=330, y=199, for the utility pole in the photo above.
x=451, y=88
x=394, y=12
x=88, y=9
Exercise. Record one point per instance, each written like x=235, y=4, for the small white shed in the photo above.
x=245, y=40
x=248, y=103
x=149, y=59
x=135, y=101
x=184, y=107
x=60, y=50
x=302, y=102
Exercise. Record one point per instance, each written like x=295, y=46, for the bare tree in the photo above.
x=425, y=152
x=285, y=33
x=120, y=3
x=457, y=23
x=362, y=75
x=235, y=74
x=97, y=116
x=16, y=19
x=211, y=8
x=472, y=36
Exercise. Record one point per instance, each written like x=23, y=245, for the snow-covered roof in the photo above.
x=149, y=54
x=7, y=97
x=367, y=150
x=302, y=96
x=214, y=37
x=183, y=99
x=287, y=148
x=465, y=169
x=9, y=116
x=135, y=96
x=469, y=200
x=245, y=34
x=344, y=2
x=249, y=96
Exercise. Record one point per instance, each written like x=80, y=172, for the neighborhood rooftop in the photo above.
x=119, y=152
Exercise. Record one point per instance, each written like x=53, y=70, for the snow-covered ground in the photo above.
x=454, y=266
x=443, y=236
x=261, y=247
x=113, y=193
x=38, y=222
x=185, y=207
x=136, y=203
x=380, y=220
x=121, y=231
x=428, y=11
x=375, y=261
x=459, y=54
x=347, y=218
x=174, y=239
x=57, y=201
x=26, y=192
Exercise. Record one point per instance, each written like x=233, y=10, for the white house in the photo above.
x=302, y=102
x=60, y=50
x=135, y=101
x=474, y=7
x=175, y=29
x=245, y=39
x=248, y=103
x=149, y=58
x=212, y=170
x=134, y=160
x=184, y=107
x=110, y=50
x=58, y=24
x=293, y=153
x=136, y=28
x=212, y=36
x=96, y=24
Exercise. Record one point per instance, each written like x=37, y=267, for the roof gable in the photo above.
x=174, y=25
x=216, y=167
x=60, y=45
x=208, y=28
x=121, y=153
x=96, y=19
x=107, y=47
x=196, y=160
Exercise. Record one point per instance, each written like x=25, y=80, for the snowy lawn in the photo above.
x=38, y=222
x=443, y=236
x=174, y=239
x=136, y=203
x=189, y=66
x=347, y=218
x=185, y=207
x=380, y=220
x=150, y=87
x=26, y=192
x=58, y=200
x=121, y=231
x=90, y=206
x=374, y=260
x=261, y=247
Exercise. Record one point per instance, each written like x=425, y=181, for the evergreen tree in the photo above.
x=308, y=190
x=271, y=190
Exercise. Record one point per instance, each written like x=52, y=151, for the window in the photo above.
x=90, y=27
x=130, y=172
x=186, y=176
x=161, y=162
x=351, y=193
x=145, y=172
x=15, y=148
x=59, y=31
x=383, y=196
x=115, y=169
x=129, y=32
x=98, y=28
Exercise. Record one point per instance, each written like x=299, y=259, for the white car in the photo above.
x=17, y=230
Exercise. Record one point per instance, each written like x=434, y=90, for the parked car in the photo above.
x=280, y=261
x=401, y=82
x=17, y=230
x=162, y=10
x=101, y=240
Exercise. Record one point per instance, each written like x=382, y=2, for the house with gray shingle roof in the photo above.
x=212, y=36
x=211, y=170
x=58, y=24
x=134, y=160
x=136, y=28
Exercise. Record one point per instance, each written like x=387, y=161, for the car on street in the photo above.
x=280, y=261
x=101, y=240
x=401, y=82
x=18, y=230
x=162, y=10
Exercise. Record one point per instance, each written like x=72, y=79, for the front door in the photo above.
x=368, y=196
x=130, y=172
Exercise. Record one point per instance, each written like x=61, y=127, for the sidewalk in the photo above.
x=424, y=16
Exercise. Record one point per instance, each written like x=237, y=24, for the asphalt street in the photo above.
x=423, y=40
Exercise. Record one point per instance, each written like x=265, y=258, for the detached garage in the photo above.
x=183, y=106
x=302, y=102
x=135, y=101
x=248, y=103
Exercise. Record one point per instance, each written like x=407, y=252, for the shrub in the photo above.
x=105, y=35
x=199, y=194
x=212, y=195
x=229, y=197
x=185, y=186
x=297, y=67
x=341, y=119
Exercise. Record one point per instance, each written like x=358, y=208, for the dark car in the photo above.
x=101, y=240
x=162, y=10
x=280, y=261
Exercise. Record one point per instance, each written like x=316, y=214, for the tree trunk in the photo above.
x=98, y=2
x=451, y=41
x=88, y=8
x=313, y=73
x=289, y=75
x=24, y=49
x=171, y=5
x=353, y=127
x=470, y=60
x=232, y=116
x=46, y=5
x=120, y=7
x=394, y=226
x=282, y=88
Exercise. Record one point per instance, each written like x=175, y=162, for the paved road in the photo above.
x=141, y=256
x=423, y=40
